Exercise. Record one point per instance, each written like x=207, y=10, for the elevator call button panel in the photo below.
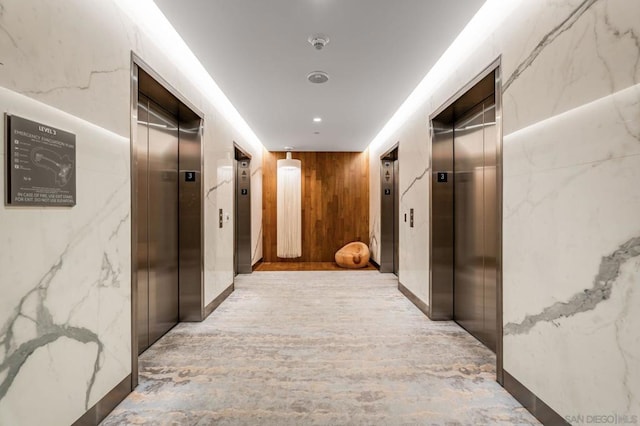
x=41, y=164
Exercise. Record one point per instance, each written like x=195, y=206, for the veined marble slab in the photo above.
x=415, y=179
x=256, y=208
x=570, y=71
x=65, y=278
x=219, y=185
x=572, y=53
x=571, y=292
x=75, y=56
x=574, y=176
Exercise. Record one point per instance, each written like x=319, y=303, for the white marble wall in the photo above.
x=571, y=124
x=67, y=63
x=581, y=296
x=414, y=194
x=256, y=209
x=65, y=281
x=218, y=246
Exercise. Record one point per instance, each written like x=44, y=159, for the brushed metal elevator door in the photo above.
x=141, y=170
x=389, y=214
x=243, y=217
x=475, y=222
x=157, y=195
x=491, y=225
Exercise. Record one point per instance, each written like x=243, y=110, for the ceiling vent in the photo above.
x=318, y=77
x=318, y=41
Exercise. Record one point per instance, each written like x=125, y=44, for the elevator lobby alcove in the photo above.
x=334, y=208
x=485, y=151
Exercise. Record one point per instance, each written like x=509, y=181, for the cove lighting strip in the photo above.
x=485, y=21
x=150, y=19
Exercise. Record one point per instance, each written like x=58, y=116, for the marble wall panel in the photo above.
x=414, y=194
x=570, y=72
x=68, y=64
x=65, y=277
x=571, y=255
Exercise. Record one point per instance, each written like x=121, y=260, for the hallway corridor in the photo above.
x=304, y=348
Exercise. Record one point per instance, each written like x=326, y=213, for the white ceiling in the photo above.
x=257, y=52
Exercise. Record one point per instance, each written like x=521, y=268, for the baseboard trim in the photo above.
x=541, y=411
x=424, y=308
x=257, y=264
x=218, y=300
x=102, y=408
x=374, y=263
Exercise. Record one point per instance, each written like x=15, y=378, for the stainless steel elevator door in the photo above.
x=141, y=170
x=491, y=225
x=442, y=218
x=389, y=214
x=475, y=222
x=157, y=195
x=243, y=217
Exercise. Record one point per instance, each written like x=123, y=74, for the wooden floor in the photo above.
x=305, y=266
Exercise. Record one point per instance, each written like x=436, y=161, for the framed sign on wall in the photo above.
x=41, y=164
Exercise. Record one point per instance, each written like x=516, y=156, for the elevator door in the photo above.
x=157, y=223
x=389, y=214
x=475, y=222
x=243, y=217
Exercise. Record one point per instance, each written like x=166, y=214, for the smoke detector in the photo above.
x=318, y=77
x=318, y=41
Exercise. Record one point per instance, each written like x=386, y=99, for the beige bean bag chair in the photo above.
x=353, y=255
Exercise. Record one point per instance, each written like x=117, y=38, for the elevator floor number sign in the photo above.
x=41, y=164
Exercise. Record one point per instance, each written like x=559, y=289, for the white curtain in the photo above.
x=289, y=226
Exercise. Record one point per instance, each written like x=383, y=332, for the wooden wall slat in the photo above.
x=335, y=203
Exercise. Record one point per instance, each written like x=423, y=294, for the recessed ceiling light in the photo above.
x=318, y=77
x=317, y=119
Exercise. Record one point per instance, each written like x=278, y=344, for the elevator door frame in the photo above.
x=191, y=301
x=390, y=222
x=441, y=291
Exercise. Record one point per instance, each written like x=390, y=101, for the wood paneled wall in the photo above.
x=335, y=203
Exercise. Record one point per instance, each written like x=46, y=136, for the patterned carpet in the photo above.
x=318, y=348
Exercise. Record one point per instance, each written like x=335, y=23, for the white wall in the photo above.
x=256, y=209
x=65, y=272
x=571, y=125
